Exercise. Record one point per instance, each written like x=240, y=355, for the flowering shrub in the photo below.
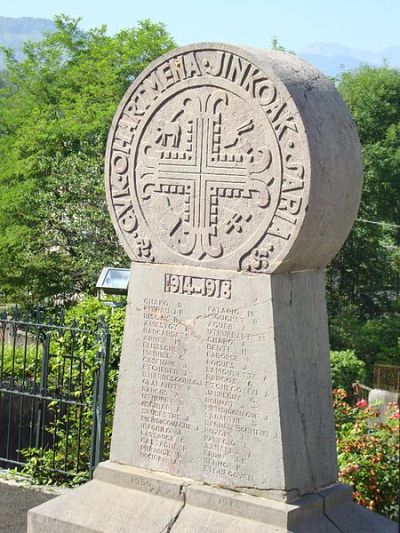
x=368, y=454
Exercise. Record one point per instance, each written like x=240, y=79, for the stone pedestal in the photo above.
x=127, y=499
x=233, y=177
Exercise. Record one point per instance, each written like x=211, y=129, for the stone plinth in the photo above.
x=127, y=499
x=233, y=177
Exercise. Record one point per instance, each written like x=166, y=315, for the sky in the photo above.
x=365, y=24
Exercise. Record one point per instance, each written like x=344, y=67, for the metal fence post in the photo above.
x=43, y=393
x=99, y=398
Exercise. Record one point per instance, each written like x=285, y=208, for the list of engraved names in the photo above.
x=200, y=390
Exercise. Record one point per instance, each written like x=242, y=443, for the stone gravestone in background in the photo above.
x=233, y=176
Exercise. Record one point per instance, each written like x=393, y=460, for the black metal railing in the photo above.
x=53, y=383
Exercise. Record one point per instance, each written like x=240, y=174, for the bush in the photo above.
x=368, y=454
x=46, y=466
x=87, y=314
x=18, y=363
x=346, y=369
x=376, y=340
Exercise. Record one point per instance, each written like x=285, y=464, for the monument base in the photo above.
x=127, y=499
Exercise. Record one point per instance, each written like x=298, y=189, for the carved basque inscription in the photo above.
x=206, y=164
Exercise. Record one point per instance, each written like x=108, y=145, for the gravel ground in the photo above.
x=15, y=501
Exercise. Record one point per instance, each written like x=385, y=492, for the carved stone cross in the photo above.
x=199, y=167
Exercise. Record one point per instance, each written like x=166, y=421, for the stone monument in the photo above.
x=233, y=176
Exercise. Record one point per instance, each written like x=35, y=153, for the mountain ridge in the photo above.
x=330, y=58
x=15, y=31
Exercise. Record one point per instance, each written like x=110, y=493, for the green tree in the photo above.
x=365, y=274
x=56, y=106
x=346, y=369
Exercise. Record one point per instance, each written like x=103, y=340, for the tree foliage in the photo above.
x=56, y=106
x=346, y=369
x=363, y=281
x=365, y=274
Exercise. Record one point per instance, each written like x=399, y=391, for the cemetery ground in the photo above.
x=16, y=499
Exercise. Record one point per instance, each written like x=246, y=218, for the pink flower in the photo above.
x=395, y=415
x=361, y=404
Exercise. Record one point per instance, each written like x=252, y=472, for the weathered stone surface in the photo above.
x=233, y=158
x=221, y=379
x=113, y=503
x=125, y=499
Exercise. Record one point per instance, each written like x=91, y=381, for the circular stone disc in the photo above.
x=233, y=158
